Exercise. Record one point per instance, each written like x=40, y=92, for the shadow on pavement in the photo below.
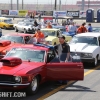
x=90, y=66
x=78, y=88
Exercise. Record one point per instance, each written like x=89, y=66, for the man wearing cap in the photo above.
x=39, y=35
x=63, y=52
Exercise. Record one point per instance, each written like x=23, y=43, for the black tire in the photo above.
x=55, y=43
x=25, y=31
x=16, y=30
x=33, y=90
x=95, y=63
x=5, y=27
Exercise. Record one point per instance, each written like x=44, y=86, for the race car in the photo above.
x=28, y=66
x=11, y=40
x=53, y=34
x=87, y=45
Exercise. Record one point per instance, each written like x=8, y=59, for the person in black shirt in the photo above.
x=35, y=23
x=63, y=50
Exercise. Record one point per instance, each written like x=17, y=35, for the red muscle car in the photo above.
x=10, y=40
x=28, y=66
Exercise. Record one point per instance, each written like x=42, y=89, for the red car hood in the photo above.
x=8, y=70
x=8, y=48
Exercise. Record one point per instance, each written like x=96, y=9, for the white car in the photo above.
x=24, y=27
x=87, y=46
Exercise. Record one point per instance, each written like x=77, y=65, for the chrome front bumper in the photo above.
x=8, y=84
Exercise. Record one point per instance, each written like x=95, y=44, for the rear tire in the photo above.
x=25, y=31
x=16, y=30
x=33, y=87
x=95, y=63
x=5, y=27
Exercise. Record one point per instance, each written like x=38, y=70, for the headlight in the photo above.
x=87, y=55
x=17, y=79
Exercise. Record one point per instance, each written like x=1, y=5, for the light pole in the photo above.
x=37, y=4
x=88, y=4
x=11, y=5
x=83, y=4
x=55, y=7
x=17, y=4
x=59, y=4
x=22, y=4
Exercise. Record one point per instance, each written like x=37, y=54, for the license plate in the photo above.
x=76, y=57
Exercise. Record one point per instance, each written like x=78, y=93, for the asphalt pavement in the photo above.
x=88, y=89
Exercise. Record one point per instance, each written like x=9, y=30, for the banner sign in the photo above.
x=13, y=12
x=48, y=18
x=59, y=13
x=73, y=13
x=39, y=12
x=22, y=12
x=4, y=12
x=31, y=12
x=48, y=13
x=82, y=14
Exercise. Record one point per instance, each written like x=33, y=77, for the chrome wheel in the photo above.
x=34, y=84
x=16, y=30
x=33, y=87
x=25, y=31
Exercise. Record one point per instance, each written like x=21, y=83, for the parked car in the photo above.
x=95, y=29
x=63, y=30
x=87, y=46
x=29, y=66
x=12, y=40
x=53, y=34
x=6, y=23
x=24, y=27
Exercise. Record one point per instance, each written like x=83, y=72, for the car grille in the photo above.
x=79, y=54
x=6, y=79
x=10, y=25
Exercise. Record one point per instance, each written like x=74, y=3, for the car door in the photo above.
x=65, y=71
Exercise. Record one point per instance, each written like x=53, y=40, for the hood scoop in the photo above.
x=4, y=43
x=11, y=61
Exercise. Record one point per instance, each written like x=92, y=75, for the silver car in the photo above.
x=25, y=27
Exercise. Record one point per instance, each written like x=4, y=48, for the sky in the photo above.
x=40, y=1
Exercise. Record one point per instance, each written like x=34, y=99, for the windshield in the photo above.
x=84, y=39
x=96, y=29
x=17, y=39
x=8, y=21
x=27, y=24
x=49, y=32
x=27, y=54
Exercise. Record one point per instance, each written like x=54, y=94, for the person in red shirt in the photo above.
x=82, y=28
x=39, y=35
x=49, y=25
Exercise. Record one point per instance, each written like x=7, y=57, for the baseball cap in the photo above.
x=63, y=37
